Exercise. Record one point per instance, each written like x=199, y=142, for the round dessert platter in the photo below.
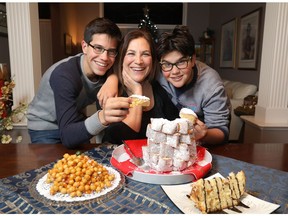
x=40, y=190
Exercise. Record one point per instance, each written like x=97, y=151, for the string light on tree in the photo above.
x=146, y=23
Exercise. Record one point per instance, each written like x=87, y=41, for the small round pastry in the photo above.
x=139, y=100
x=188, y=114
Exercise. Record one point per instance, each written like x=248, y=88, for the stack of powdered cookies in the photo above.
x=170, y=145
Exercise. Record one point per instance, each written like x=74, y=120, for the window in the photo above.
x=132, y=13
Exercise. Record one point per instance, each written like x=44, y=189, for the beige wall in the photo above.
x=75, y=16
x=70, y=18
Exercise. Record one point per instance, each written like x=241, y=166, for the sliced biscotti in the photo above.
x=218, y=193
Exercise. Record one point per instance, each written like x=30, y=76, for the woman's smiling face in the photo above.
x=138, y=60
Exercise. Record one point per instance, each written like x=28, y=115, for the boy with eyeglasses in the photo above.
x=55, y=114
x=194, y=85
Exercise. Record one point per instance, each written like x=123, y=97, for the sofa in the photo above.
x=237, y=91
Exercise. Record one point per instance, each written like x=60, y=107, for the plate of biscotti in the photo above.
x=121, y=160
x=217, y=195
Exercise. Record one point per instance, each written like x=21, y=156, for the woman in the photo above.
x=136, y=68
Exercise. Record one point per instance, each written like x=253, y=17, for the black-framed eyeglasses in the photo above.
x=182, y=64
x=99, y=50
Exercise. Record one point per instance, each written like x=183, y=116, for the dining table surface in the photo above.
x=265, y=166
x=21, y=157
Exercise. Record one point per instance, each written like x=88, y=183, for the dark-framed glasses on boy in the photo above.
x=182, y=64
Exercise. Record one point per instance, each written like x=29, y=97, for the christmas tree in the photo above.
x=147, y=24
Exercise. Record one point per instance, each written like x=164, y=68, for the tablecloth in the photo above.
x=136, y=197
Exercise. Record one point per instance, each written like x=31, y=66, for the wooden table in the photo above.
x=17, y=158
x=271, y=155
x=18, y=193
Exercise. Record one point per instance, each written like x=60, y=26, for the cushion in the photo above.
x=243, y=90
x=238, y=90
x=229, y=92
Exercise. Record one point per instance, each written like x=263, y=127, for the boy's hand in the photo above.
x=115, y=110
x=200, y=129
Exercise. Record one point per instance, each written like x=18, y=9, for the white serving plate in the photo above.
x=178, y=195
x=120, y=155
x=43, y=189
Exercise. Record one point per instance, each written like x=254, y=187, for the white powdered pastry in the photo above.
x=170, y=145
x=139, y=100
x=157, y=124
x=189, y=114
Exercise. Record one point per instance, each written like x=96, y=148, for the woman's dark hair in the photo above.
x=135, y=34
x=180, y=39
x=102, y=26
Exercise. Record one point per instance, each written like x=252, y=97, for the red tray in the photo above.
x=121, y=160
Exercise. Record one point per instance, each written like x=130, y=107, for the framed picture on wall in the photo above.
x=228, y=44
x=249, y=40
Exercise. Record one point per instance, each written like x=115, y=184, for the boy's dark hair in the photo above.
x=180, y=39
x=102, y=26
